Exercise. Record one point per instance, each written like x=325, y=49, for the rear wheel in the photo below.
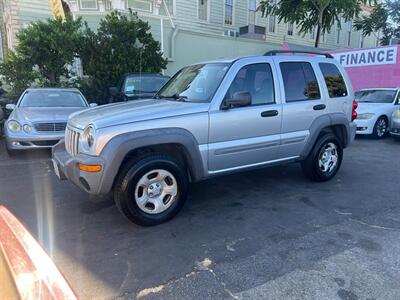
x=380, y=128
x=325, y=159
x=151, y=190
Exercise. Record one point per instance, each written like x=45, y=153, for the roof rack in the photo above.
x=275, y=52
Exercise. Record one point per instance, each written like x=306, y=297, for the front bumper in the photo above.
x=365, y=126
x=68, y=168
x=22, y=140
x=395, y=128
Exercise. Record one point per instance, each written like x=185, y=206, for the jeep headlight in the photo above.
x=365, y=116
x=88, y=137
x=13, y=126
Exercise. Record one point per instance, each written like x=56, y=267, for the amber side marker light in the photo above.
x=90, y=168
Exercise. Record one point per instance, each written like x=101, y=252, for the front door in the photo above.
x=246, y=136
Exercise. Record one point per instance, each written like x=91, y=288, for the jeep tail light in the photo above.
x=354, y=110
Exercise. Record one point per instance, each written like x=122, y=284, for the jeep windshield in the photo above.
x=196, y=83
x=375, y=96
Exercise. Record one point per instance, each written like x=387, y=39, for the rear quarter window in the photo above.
x=299, y=81
x=334, y=80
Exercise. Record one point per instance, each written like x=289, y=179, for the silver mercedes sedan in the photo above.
x=39, y=118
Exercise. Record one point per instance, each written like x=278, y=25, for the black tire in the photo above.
x=376, y=134
x=129, y=176
x=310, y=165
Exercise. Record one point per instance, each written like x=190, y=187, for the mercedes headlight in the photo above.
x=27, y=128
x=88, y=137
x=365, y=116
x=396, y=114
x=14, y=126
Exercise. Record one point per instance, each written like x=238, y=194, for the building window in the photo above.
x=313, y=34
x=228, y=12
x=88, y=4
x=362, y=38
x=290, y=28
x=108, y=4
x=349, y=29
x=338, y=29
x=377, y=40
x=170, y=6
x=140, y=5
x=272, y=20
x=252, y=11
x=203, y=10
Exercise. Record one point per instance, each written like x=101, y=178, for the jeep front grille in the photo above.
x=72, y=141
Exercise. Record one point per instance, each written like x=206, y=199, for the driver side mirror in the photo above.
x=92, y=104
x=10, y=106
x=239, y=99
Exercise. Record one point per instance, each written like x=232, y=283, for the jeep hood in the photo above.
x=133, y=111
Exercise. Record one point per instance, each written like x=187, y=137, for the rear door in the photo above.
x=302, y=103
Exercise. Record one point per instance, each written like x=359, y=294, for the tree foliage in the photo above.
x=385, y=18
x=311, y=14
x=122, y=44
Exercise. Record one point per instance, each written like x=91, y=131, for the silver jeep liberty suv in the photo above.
x=209, y=119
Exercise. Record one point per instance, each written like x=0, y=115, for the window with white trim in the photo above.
x=228, y=20
x=140, y=5
x=170, y=6
x=108, y=4
x=203, y=10
x=349, y=29
x=88, y=4
x=272, y=20
x=338, y=29
x=252, y=11
x=290, y=29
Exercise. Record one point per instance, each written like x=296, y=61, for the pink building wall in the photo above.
x=373, y=76
x=370, y=74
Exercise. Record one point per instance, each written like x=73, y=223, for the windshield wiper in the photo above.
x=177, y=97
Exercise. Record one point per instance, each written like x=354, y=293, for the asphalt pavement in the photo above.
x=265, y=234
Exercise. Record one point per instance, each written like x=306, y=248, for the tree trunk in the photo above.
x=316, y=44
x=319, y=26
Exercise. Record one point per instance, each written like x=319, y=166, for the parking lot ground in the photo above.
x=264, y=234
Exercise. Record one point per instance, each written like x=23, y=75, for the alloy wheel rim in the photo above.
x=328, y=158
x=156, y=191
x=381, y=127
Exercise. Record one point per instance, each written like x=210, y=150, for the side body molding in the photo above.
x=118, y=147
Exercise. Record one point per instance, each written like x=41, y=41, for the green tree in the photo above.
x=17, y=73
x=311, y=14
x=385, y=18
x=42, y=55
x=122, y=44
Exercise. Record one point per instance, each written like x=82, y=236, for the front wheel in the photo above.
x=380, y=128
x=325, y=159
x=151, y=190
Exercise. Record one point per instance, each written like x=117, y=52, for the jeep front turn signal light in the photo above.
x=90, y=168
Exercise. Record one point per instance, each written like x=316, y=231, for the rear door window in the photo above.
x=299, y=81
x=334, y=80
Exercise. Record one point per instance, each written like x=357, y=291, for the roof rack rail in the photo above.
x=275, y=52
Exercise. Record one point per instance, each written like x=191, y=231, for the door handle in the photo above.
x=269, y=113
x=319, y=107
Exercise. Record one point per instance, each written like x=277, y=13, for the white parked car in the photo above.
x=375, y=109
